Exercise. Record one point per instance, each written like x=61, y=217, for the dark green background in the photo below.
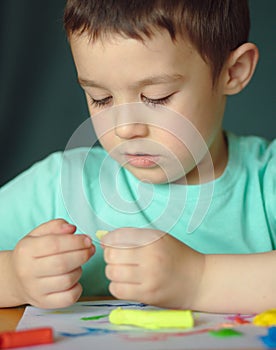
x=41, y=104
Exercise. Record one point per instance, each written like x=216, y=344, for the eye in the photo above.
x=99, y=103
x=157, y=101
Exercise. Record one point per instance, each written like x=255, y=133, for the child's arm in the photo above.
x=167, y=273
x=244, y=283
x=45, y=267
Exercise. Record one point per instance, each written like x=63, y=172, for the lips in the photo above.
x=142, y=160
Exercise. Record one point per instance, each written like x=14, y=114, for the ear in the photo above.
x=239, y=68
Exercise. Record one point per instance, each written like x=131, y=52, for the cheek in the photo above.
x=107, y=141
x=178, y=159
x=88, y=104
x=184, y=156
x=205, y=113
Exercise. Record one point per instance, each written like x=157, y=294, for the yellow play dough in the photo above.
x=152, y=319
x=266, y=318
x=100, y=234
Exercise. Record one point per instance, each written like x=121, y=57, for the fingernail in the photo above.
x=66, y=226
x=87, y=241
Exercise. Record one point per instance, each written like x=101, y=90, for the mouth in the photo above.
x=141, y=160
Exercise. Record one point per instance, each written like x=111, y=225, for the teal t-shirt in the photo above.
x=232, y=214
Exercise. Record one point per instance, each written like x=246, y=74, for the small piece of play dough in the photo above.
x=270, y=339
x=100, y=234
x=225, y=332
x=152, y=319
x=266, y=318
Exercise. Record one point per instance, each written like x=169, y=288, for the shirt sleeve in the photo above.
x=29, y=200
x=270, y=190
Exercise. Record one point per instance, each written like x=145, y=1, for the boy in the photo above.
x=166, y=69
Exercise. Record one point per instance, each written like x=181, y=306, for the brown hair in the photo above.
x=214, y=27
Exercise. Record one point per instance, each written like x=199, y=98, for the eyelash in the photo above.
x=150, y=101
x=159, y=101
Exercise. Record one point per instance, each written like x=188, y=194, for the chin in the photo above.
x=154, y=176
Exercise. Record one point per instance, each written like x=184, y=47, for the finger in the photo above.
x=129, y=237
x=122, y=256
x=126, y=291
x=55, y=284
x=57, y=244
x=124, y=273
x=53, y=226
x=59, y=264
x=60, y=299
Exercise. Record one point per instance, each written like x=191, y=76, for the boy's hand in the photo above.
x=47, y=265
x=153, y=267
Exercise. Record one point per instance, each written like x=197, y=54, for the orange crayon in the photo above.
x=26, y=337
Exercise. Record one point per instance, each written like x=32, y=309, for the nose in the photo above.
x=129, y=122
x=131, y=130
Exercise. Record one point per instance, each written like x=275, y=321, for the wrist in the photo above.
x=196, y=289
x=16, y=292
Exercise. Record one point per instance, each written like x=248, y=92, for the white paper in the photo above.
x=73, y=332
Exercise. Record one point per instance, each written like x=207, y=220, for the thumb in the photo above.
x=56, y=226
x=131, y=237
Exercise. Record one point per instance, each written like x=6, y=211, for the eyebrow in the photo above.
x=154, y=80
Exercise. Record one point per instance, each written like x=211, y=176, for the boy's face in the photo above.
x=119, y=71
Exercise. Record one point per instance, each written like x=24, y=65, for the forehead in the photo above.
x=115, y=55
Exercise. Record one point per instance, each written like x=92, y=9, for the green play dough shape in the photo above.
x=225, y=332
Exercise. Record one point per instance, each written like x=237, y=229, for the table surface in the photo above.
x=9, y=317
